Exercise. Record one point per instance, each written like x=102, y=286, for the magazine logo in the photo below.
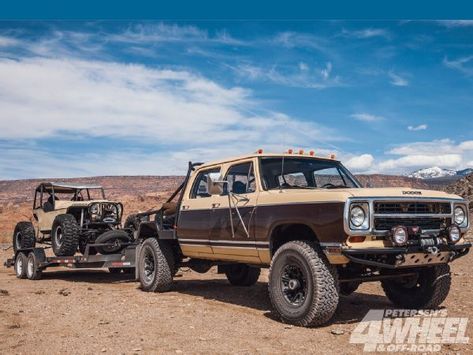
x=409, y=330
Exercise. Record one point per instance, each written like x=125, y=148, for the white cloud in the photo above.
x=367, y=33
x=360, y=163
x=456, y=23
x=398, y=80
x=293, y=76
x=366, y=117
x=462, y=64
x=444, y=153
x=421, y=127
x=7, y=41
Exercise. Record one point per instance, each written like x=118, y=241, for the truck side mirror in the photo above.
x=217, y=187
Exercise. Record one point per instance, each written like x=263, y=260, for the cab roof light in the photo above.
x=301, y=151
x=333, y=156
x=312, y=153
x=259, y=151
x=289, y=151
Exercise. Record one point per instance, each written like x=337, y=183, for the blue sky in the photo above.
x=130, y=98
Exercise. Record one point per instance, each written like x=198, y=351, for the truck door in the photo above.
x=233, y=213
x=195, y=212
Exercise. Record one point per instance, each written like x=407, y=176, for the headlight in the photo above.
x=399, y=235
x=459, y=216
x=454, y=234
x=359, y=216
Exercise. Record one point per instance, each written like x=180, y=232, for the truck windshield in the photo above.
x=305, y=173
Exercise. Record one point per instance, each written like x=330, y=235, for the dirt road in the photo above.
x=94, y=311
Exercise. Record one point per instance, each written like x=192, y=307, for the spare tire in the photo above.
x=110, y=237
x=23, y=236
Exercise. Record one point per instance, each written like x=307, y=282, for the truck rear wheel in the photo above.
x=303, y=286
x=156, y=266
x=23, y=236
x=65, y=235
x=426, y=290
x=20, y=265
x=242, y=274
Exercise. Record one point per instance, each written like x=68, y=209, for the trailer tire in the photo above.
x=156, y=266
x=242, y=274
x=20, y=265
x=32, y=269
x=303, y=285
x=23, y=236
x=428, y=290
x=110, y=237
x=65, y=235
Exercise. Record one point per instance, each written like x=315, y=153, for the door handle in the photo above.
x=215, y=205
x=185, y=207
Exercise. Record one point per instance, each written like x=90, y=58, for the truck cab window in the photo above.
x=241, y=179
x=201, y=184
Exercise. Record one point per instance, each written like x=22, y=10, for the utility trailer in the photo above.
x=31, y=262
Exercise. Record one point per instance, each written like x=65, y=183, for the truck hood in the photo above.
x=342, y=195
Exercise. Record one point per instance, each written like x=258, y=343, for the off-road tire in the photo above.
x=83, y=245
x=67, y=225
x=20, y=265
x=156, y=266
x=23, y=236
x=429, y=291
x=242, y=274
x=132, y=222
x=319, y=282
x=109, y=237
x=32, y=270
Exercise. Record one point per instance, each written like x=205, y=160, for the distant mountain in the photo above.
x=436, y=173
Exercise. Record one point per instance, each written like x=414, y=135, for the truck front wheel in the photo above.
x=428, y=289
x=303, y=286
x=156, y=265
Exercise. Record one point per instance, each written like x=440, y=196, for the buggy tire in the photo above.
x=110, y=237
x=32, y=270
x=65, y=235
x=20, y=265
x=83, y=245
x=23, y=236
x=303, y=285
x=242, y=274
x=132, y=222
x=156, y=266
x=427, y=291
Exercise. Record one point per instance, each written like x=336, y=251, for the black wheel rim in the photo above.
x=294, y=285
x=149, y=268
x=58, y=236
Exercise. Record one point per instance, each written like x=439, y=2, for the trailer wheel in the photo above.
x=242, y=274
x=156, y=266
x=23, y=236
x=65, y=235
x=32, y=270
x=20, y=265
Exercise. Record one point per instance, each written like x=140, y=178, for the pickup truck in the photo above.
x=309, y=221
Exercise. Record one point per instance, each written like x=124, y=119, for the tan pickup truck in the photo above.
x=310, y=221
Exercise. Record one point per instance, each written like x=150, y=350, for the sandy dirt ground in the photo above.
x=86, y=312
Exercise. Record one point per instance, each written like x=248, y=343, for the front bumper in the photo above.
x=401, y=257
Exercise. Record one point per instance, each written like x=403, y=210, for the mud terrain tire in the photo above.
x=20, y=265
x=65, y=235
x=156, y=266
x=23, y=236
x=242, y=274
x=132, y=222
x=429, y=290
x=303, y=286
x=110, y=237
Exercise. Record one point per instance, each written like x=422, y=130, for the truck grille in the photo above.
x=412, y=207
x=425, y=223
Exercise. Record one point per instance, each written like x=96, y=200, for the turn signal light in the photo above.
x=357, y=239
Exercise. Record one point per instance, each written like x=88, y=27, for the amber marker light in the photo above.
x=301, y=151
x=357, y=239
x=289, y=151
